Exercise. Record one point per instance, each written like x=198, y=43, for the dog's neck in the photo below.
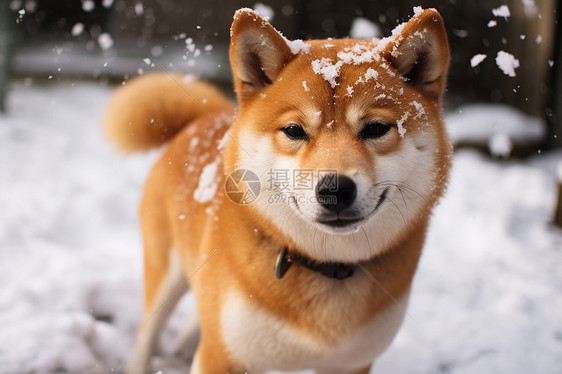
x=334, y=270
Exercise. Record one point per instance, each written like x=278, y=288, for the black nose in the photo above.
x=336, y=193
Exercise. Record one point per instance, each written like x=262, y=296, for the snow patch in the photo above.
x=400, y=124
x=193, y=143
x=297, y=46
x=398, y=29
x=223, y=140
x=418, y=10
x=384, y=42
x=371, y=74
x=477, y=123
x=306, y=89
x=247, y=10
x=420, y=110
x=207, y=186
x=329, y=71
x=359, y=54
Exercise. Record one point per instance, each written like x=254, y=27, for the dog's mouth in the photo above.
x=341, y=221
x=345, y=223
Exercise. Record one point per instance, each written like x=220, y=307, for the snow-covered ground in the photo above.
x=487, y=297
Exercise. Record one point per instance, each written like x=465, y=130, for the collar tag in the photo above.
x=283, y=263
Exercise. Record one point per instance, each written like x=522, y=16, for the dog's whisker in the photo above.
x=398, y=210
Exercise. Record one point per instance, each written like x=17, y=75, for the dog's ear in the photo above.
x=420, y=52
x=258, y=52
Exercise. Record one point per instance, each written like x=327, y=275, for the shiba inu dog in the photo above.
x=297, y=218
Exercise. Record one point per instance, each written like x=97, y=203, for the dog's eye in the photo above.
x=374, y=130
x=295, y=132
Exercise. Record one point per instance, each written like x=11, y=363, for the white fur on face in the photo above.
x=407, y=176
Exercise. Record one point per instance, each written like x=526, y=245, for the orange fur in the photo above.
x=162, y=106
x=228, y=251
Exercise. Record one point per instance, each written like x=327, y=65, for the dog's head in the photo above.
x=345, y=135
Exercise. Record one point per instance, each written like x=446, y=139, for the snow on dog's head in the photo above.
x=345, y=135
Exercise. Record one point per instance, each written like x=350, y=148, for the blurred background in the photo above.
x=113, y=40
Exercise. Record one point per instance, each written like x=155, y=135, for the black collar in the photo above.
x=333, y=270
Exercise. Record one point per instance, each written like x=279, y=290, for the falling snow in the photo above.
x=105, y=41
x=265, y=11
x=502, y=11
x=507, y=63
x=500, y=145
x=88, y=5
x=77, y=29
x=139, y=9
x=362, y=28
x=477, y=60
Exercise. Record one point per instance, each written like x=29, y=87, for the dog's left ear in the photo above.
x=258, y=52
x=420, y=52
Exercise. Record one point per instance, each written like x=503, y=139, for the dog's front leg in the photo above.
x=213, y=359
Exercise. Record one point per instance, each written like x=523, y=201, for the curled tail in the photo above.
x=151, y=109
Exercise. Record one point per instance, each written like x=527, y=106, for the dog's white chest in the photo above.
x=261, y=341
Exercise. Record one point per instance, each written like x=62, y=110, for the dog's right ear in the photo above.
x=420, y=52
x=258, y=52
